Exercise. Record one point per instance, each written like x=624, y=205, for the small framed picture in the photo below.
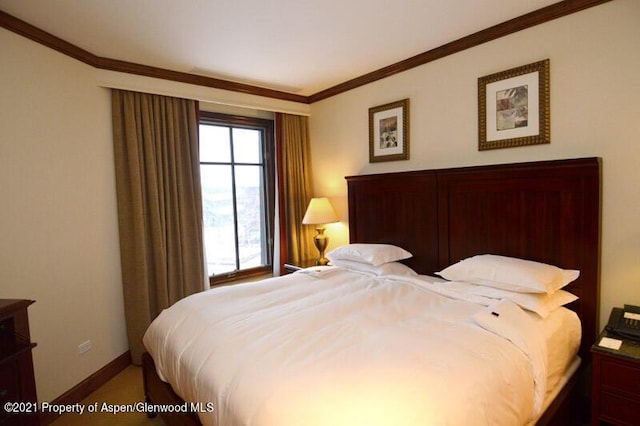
x=513, y=107
x=389, y=132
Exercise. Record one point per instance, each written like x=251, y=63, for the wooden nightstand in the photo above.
x=296, y=266
x=616, y=383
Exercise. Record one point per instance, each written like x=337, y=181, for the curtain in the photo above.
x=295, y=187
x=159, y=205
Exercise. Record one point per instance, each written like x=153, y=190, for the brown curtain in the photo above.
x=295, y=187
x=159, y=205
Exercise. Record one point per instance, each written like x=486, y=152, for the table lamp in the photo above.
x=320, y=213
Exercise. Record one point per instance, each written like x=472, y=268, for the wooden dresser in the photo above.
x=17, y=383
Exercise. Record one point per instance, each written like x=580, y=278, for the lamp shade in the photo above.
x=319, y=212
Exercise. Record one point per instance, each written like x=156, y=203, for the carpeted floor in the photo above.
x=125, y=388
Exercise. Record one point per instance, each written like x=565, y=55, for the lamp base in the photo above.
x=321, y=241
x=322, y=261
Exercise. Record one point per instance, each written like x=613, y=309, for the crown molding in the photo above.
x=537, y=17
x=31, y=32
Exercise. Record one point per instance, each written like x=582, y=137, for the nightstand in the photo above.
x=616, y=383
x=296, y=266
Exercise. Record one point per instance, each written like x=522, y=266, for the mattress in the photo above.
x=344, y=348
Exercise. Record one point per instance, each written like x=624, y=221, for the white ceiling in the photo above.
x=296, y=46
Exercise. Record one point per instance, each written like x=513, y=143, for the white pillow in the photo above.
x=541, y=303
x=390, y=268
x=510, y=273
x=373, y=254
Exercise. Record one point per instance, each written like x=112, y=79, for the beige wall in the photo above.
x=58, y=222
x=595, y=88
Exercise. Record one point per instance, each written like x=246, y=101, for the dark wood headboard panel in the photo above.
x=545, y=211
x=399, y=209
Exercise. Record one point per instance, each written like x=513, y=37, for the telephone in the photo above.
x=625, y=322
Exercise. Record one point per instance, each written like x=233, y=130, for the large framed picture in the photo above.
x=389, y=132
x=513, y=107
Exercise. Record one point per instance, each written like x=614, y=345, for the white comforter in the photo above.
x=345, y=348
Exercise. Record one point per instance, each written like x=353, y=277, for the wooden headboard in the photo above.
x=546, y=211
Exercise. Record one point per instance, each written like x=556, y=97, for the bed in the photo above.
x=547, y=212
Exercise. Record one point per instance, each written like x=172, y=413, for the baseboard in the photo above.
x=88, y=385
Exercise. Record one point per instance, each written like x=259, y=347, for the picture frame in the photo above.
x=389, y=132
x=513, y=107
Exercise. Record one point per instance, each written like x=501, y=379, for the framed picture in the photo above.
x=389, y=132
x=513, y=107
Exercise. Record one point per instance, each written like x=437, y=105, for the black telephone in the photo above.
x=625, y=322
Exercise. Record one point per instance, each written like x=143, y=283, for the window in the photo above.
x=237, y=173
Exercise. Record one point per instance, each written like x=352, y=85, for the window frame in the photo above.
x=267, y=127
